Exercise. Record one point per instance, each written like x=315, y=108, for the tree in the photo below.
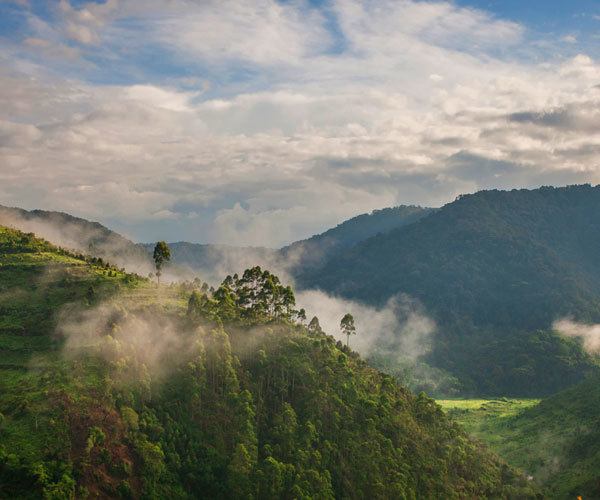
x=194, y=304
x=301, y=316
x=162, y=254
x=90, y=295
x=314, y=325
x=347, y=327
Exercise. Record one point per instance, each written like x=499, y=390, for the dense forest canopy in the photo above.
x=180, y=391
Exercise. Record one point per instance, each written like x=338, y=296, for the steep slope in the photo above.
x=120, y=388
x=492, y=268
x=78, y=234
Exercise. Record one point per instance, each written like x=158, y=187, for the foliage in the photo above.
x=494, y=270
x=256, y=407
x=347, y=326
x=556, y=441
x=161, y=255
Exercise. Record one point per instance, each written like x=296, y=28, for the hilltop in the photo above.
x=115, y=387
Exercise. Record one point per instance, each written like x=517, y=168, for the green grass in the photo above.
x=556, y=442
x=492, y=422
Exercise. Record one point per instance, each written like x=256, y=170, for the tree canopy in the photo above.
x=161, y=255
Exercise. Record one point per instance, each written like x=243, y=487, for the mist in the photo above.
x=401, y=323
x=589, y=334
x=80, y=236
x=135, y=341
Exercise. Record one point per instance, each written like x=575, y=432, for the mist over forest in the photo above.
x=309, y=249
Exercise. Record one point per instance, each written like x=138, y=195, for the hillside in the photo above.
x=556, y=441
x=114, y=387
x=79, y=235
x=316, y=250
x=494, y=270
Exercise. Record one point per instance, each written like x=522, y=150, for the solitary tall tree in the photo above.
x=162, y=254
x=347, y=327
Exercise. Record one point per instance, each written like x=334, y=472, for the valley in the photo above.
x=86, y=344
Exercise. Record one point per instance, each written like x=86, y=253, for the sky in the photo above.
x=263, y=122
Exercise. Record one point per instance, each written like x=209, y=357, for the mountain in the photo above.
x=114, y=387
x=213, y=262
x=79, y=235
x=494, y=269
x=316, y=250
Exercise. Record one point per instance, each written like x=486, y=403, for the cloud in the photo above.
x=84, y=24
x=261, y=123
x=569, y=39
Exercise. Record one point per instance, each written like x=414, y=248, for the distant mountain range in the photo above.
x=494, y=270
x=210, y=261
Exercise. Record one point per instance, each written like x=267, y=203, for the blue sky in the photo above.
x=264, y=122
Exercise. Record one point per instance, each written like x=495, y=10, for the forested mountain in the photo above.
x=316, y=250
x=114, y=387
x=210, y=261
x=494, y=269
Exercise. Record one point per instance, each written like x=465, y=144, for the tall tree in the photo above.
x=301, y=316
x=162, y=254
x=347, y=326
x=194, y=304
x=314, y=326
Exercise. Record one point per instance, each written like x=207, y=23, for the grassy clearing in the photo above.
x=555, y=441
x=492, y=422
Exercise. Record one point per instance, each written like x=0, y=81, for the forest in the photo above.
x=114, y=386
x=494, y=269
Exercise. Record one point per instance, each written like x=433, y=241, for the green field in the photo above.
x=554, y=441
x=492, y=421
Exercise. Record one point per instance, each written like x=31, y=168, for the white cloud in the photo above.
x=283, y=125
